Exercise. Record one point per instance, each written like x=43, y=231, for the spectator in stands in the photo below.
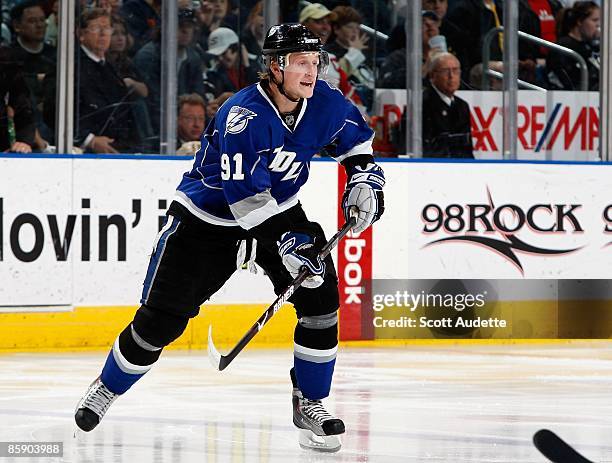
x=5, y=35
x=495, y=84
x=348, y=44
x=431, y=29
x=546, y=11
x=143, y=20
x=440, y=7
x=191, y=121
x=253, y=34
x=397, y=38
x=52, y=25
x=448, y=29
x=393, y=70
x=317, y=18
x=112, y=7
x=189, y=79
x=212, y=15
x=118, y=57
x=105, y=121
x=579, y=30
x=17, y=126
x=446, y=117
x=233, y=69
x=213, y=105
x=37, y=58
x=476, y=18
x=29, y=24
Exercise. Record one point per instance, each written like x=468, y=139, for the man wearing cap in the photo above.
x=189, y=79
x=233, y=69
x=317, y=18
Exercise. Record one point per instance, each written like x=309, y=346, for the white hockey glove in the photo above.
x=297, y=250
x=364, y=191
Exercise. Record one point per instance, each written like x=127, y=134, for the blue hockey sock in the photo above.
x=314, y=370
x=118, y=374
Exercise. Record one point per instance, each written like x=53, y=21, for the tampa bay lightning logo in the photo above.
x=237, y=119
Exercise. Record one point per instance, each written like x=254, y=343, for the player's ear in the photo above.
x=275, y=70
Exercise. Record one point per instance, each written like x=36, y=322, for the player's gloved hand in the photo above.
x=298, y=250
x=364, y=191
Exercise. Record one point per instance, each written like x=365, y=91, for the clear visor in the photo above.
x=311, y=62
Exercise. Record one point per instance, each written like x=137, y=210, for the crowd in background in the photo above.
x=118, y=62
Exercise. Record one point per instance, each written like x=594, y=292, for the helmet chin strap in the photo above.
x=281, y=87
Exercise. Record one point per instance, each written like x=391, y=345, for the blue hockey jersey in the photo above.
x=251, y=165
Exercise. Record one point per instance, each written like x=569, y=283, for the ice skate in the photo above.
x=93, y=405
x=319, y=430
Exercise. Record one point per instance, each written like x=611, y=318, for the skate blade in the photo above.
x=310, y=441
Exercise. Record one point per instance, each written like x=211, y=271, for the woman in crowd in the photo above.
x=118, y=57
x=347, y=41
x=579, y=30
x=253, y=34
x=348, y=44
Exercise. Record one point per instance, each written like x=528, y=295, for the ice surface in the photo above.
x=465, y=403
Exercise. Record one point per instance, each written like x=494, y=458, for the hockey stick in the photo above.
x=556, y=449
x=220, y=362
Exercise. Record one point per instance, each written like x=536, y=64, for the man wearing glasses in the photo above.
x=191, y=121
x=104, y=120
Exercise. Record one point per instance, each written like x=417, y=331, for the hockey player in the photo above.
x=239, y=198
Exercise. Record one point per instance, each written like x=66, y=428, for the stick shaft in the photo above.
x=225, y=360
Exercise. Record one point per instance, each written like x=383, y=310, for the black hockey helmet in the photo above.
x=290, y=38
x=284, y=39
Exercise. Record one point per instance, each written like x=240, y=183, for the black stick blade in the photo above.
x=556, y=449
